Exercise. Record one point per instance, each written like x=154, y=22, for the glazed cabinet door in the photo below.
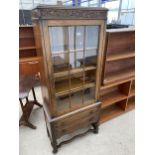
x=74, y=52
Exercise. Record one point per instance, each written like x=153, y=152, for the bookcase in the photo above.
x=117, y=91
x=29, y=62
x=27, y=46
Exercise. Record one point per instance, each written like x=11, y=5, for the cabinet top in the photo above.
x=121, y=30
x=45, y=12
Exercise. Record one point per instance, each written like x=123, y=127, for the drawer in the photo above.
x=76, y=117
x=29, y=66
x=76, y=121
x=75, y=126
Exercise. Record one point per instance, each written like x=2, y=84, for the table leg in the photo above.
x=27, y=109
x=34, y=96
x=28, y=124
x=21, y=103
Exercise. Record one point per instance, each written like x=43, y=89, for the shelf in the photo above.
x=110, y=112
x=72, y=51
x=26, y=26
x=119, y=56
x=132, y=92
x=115, y=77
x=62, y=88
x=112, y=98
x=27, y=48
x=26, y=37
x=130, y=105
x=73, y=71
x=25, y=60
x=116, y=83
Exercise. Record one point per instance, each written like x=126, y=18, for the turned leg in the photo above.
x=55, y=149
x=54, y=141
x=54, y=145
x=95, y=125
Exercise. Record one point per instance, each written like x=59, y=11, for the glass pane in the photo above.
x=90, y=76
x=76, y=38
x=63, y=103
x=77, y=99
x=61, y=62
x=62, y=86
x=90, y=58
x=57, y=39
x=77, y=81
x=76, y=59
x=89, y=95
x=91, y=42
x=79, y=40
x=71, y=31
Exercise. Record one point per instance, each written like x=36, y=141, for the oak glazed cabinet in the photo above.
x=70, y=42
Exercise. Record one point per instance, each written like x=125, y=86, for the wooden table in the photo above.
x=26, y=84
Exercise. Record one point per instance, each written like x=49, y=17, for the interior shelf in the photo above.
x=132, y=92
x=62, y=88
x=26, y=26
x=26, y=37
x=119, y=56
x=111, y=98
x=121, y=75
x=110, y=112
x=74, y=50
x=66, y=72
x=27, y=48
x=131, y=103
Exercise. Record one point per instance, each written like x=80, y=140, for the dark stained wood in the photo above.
x=26, y=83
x=54, y=71
x=61, y=12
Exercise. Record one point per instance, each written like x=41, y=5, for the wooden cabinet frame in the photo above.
x=47, y=47
x=86, y=115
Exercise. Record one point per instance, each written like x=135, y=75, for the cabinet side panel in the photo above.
x=44, y=71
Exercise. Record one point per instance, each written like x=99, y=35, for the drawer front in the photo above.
x=76, y=121
x=29, y=66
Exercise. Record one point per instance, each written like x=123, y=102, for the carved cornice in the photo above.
x=69, y=13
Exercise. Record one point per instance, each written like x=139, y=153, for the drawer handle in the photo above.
x=33, y=62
